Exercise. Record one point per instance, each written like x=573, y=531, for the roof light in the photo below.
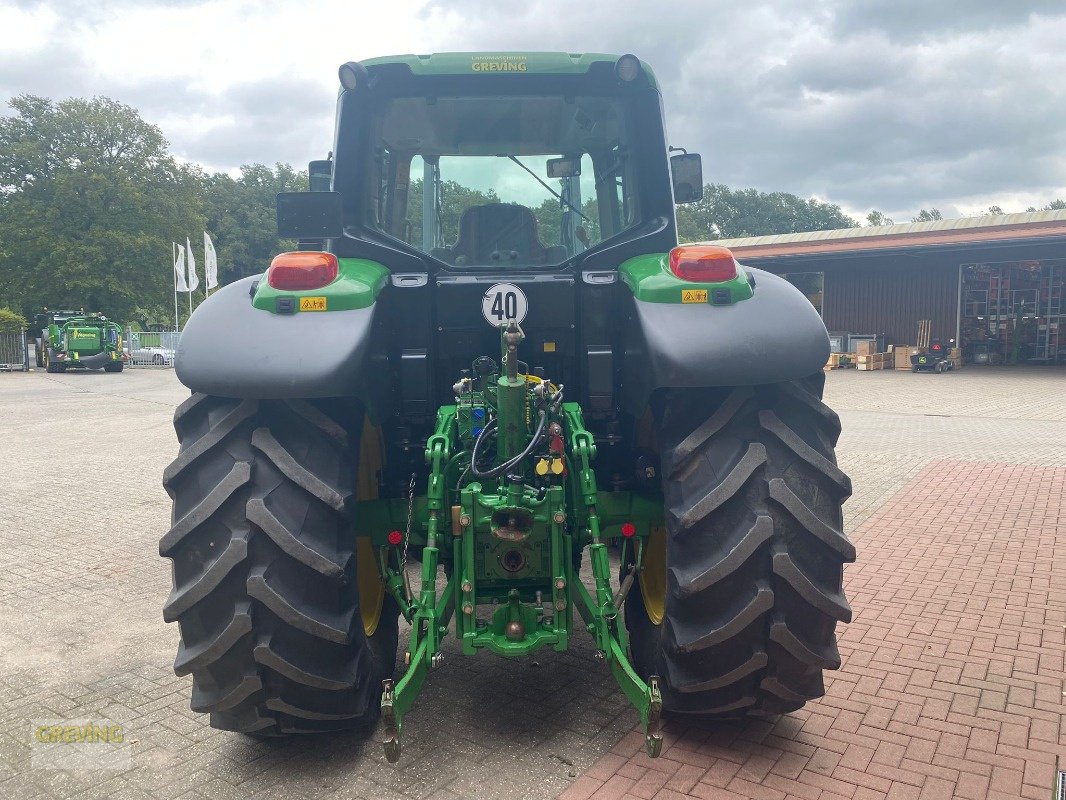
x=703, y=263
x=627, y=68
x=302, y=270
x=352, y=74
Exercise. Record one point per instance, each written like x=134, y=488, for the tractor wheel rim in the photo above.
x=368, y=579
x=653, y=576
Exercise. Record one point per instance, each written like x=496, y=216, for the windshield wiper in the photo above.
x=558, y=196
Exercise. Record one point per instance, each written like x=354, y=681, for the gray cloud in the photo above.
x=920, y=19
x=286, y=119
x=895, y=105
x=277, y=119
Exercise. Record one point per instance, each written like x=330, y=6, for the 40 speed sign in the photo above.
x=502, y=302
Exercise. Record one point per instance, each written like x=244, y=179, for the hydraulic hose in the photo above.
x=500, y=469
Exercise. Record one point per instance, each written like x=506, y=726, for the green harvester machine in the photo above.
x=491, y=356
x=78, y=340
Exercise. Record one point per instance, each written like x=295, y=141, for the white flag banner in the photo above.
x=210, y=263
x=179, y=271
x=193, y=280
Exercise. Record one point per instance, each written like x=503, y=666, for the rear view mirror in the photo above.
x=320, y=175
x=564, y=167
x=310, y=215
x=687, y=171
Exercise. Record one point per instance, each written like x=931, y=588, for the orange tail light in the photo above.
x=302, y=270
x=703, y=263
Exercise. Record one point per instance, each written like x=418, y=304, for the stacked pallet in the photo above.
x=956, y=358
x=903, y=353
x=867, y=357
x=840, y=361
x=870, y=361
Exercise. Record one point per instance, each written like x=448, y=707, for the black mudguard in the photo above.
x=776, y=335
x=232, y=349
x=96, y=361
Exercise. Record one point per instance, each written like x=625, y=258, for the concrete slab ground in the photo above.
x=953, y=676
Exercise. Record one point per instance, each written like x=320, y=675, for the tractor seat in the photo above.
x=499, y=233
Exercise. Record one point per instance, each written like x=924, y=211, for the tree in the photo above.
x=875, y=218
x=1054, y=205
x=11, y=321
x=90, y=200
x=241, y=217
x=549, y=216
x=928, y=216
x=728, y=213
x=995, y=210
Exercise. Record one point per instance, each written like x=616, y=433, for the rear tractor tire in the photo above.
x=264, y=564
x=114, y=366
x=754, y=551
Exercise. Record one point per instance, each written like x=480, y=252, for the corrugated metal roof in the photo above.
x=940, y=225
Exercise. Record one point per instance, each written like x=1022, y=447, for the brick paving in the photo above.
x=953, y=676
x=81, y=634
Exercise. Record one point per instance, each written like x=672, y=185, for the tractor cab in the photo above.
x=495, y=188
x=467, y=162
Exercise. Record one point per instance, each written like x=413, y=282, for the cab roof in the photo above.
x=494, y=62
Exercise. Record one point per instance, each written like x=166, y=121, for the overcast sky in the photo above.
x=892, y=105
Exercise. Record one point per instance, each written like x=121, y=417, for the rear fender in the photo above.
x=775, y=335
x=233, y=349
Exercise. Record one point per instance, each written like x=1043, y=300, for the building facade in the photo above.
x=995, y=284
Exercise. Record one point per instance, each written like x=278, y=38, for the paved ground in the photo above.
x=952, y=683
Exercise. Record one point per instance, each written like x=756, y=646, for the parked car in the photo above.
x=149, y=352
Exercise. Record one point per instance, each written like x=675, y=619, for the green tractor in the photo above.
x=76, y=340
x=490, y=356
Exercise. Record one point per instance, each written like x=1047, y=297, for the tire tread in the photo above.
x=755, y=550
x=264, y=567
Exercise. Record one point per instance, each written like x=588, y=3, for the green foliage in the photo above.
x=549, y=216
x=726, y=213
x=875, y=218
x=11, y=321
x=1054, y=205
x=241, y=218
x=90, y=199
x=928, y=216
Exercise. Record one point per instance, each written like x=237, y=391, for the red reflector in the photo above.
x=395, y=537
x=629, y=529
x=704, y=263
x=302, y=270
